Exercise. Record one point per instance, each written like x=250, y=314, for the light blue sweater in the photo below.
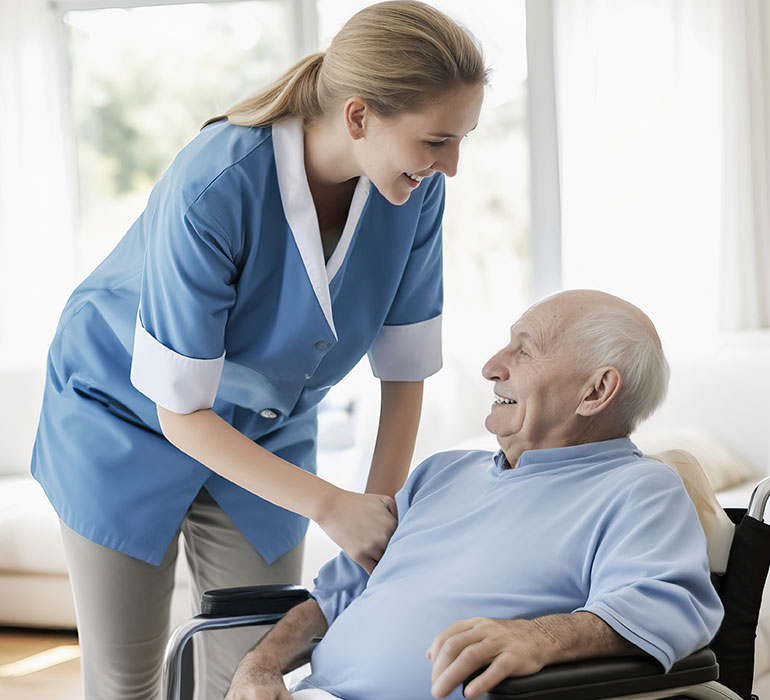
x=592, y=527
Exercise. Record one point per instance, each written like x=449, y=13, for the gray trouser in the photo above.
x=122, y=605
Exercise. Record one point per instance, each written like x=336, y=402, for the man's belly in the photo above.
x=376, y=649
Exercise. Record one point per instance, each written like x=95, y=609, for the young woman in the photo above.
x=288, y=239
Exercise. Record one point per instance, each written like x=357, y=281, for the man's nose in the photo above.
x=494, y=370
x=447, y=163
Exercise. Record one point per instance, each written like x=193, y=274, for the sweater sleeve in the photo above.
x=648, y=582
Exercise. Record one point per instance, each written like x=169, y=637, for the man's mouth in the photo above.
x=503, y=400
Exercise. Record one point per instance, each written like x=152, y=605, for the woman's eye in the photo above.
x=435, y=144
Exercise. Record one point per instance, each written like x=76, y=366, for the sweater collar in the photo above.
x=553, y=457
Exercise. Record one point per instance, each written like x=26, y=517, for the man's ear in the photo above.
x=601, y=392
x=356, y=114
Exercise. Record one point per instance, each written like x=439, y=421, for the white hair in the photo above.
x=611, y=336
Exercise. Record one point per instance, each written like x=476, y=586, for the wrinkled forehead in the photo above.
x=545, y=324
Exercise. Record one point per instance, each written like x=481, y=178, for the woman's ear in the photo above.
x=356, y=113
x=601, y=392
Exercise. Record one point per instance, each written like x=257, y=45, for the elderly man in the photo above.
x=566, y=544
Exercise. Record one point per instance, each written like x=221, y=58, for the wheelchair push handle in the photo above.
x=759, y=499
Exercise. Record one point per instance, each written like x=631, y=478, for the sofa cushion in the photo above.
x=30, y=539
x=19, y=417
x=724, y=468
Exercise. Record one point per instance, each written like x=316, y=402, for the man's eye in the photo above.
x=435, y=144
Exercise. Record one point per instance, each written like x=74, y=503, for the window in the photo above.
x=142, y=83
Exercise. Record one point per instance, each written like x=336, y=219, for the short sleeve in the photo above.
x=340, y=581
x=187, y=292
x=648, y=582
x=408, y=347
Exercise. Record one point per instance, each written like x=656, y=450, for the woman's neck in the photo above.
x=329, y=160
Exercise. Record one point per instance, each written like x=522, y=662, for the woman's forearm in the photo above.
x=361, y=524
x=400, y=407
x=213, y=442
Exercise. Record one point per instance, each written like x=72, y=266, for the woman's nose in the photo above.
x=447, y=163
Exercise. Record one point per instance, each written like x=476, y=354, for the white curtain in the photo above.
x=746, y=218
x=645, y=104
x=36, y=187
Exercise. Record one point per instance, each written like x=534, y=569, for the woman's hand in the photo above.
x=254, y=682
x=362, y=524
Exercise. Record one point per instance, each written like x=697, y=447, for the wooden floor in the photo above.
x=60, y=681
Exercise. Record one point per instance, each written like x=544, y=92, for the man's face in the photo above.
x=537, y=384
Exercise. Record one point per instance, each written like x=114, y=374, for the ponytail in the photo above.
x=398, y=56
x=295, y=93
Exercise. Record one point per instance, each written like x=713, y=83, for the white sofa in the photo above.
x=34, y=586
x=716, y=409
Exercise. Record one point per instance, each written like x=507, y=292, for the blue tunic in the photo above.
x=593, y=527
x=219, y=297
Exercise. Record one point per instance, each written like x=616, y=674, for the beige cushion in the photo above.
x=716, y=525
x=30, y=539
x=722, y=466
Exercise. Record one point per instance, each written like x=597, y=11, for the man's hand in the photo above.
x=517, y=648
x=254, y=682
x=507, y=647
x=362, y=524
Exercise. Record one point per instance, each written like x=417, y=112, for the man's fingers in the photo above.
x=452, y=648
x=440, y=639
x=500, y=668
x=469, y=659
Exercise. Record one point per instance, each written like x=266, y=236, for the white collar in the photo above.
x=298, y=207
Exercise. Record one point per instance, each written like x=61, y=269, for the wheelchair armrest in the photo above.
x=594, y=679
x=252, y=600
x=227, y=608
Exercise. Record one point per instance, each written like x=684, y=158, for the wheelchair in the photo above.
x=724, y=670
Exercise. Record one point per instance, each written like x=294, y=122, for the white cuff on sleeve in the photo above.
x=407, y=353
x=178, y=383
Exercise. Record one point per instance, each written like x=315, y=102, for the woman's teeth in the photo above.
x=416, y=178
x=502, y=399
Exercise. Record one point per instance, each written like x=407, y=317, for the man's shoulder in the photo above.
x=443, y=465
x=640, y=478
x=648, y=470
x=457, y=459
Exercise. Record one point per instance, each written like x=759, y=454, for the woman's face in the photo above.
x=396, y=153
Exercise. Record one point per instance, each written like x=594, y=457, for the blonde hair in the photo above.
x=398, y=56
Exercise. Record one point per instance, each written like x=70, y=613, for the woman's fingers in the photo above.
x=362, y=524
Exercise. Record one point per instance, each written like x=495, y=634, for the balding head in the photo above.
x=601, y=330
x=582, y=366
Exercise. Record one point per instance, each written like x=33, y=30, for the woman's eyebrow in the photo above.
x=448, y=136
